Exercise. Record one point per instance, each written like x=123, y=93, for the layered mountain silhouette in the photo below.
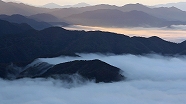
x=16, y=18
x=172, y=14
x=167, y=13
x=26, y=35
x=117, y=18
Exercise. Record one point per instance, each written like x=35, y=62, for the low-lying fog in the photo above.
x=151, y=79
x=176, y=33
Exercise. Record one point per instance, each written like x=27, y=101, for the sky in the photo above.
x=93, y=2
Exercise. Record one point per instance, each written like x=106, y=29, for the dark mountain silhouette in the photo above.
x=55, y=41
x=116, y=18
x=91, y=70
x=16, y=18
x=12, y=28
x=49, y=19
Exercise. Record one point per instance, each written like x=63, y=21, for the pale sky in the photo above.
x=93, y=2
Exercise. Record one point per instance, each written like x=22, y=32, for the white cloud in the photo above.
x=152, y=79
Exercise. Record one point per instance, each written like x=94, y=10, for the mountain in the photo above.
x=49, y=19
x=71, y=11
x=10, y=8
x=172, y=13
x=179, y=5
x=91, y=70
x=16, y=18
x=6, y=26
x=45, y=17
x=56, y=41
x=53, y=5
x=117, y=18
x=166, y=13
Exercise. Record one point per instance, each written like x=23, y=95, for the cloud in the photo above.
x=152, y=79
x=182, y=27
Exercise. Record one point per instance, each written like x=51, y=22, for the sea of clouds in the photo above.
x=151, y=79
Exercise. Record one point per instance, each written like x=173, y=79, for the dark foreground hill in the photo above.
x=88, y=70
x=56, y=41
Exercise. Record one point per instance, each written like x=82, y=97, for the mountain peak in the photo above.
x=52, y=5
x=135, y=5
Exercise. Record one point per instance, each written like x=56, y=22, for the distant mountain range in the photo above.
x=53, y=5
x=89, y=15
x=179, y=5
x=117, y=18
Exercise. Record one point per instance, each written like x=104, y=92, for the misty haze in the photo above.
x=176, y=34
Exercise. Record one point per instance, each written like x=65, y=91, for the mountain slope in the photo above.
x=10, y=8
x=16, y=18
x=12, y=28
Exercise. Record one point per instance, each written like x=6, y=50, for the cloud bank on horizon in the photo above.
x=93, y=2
